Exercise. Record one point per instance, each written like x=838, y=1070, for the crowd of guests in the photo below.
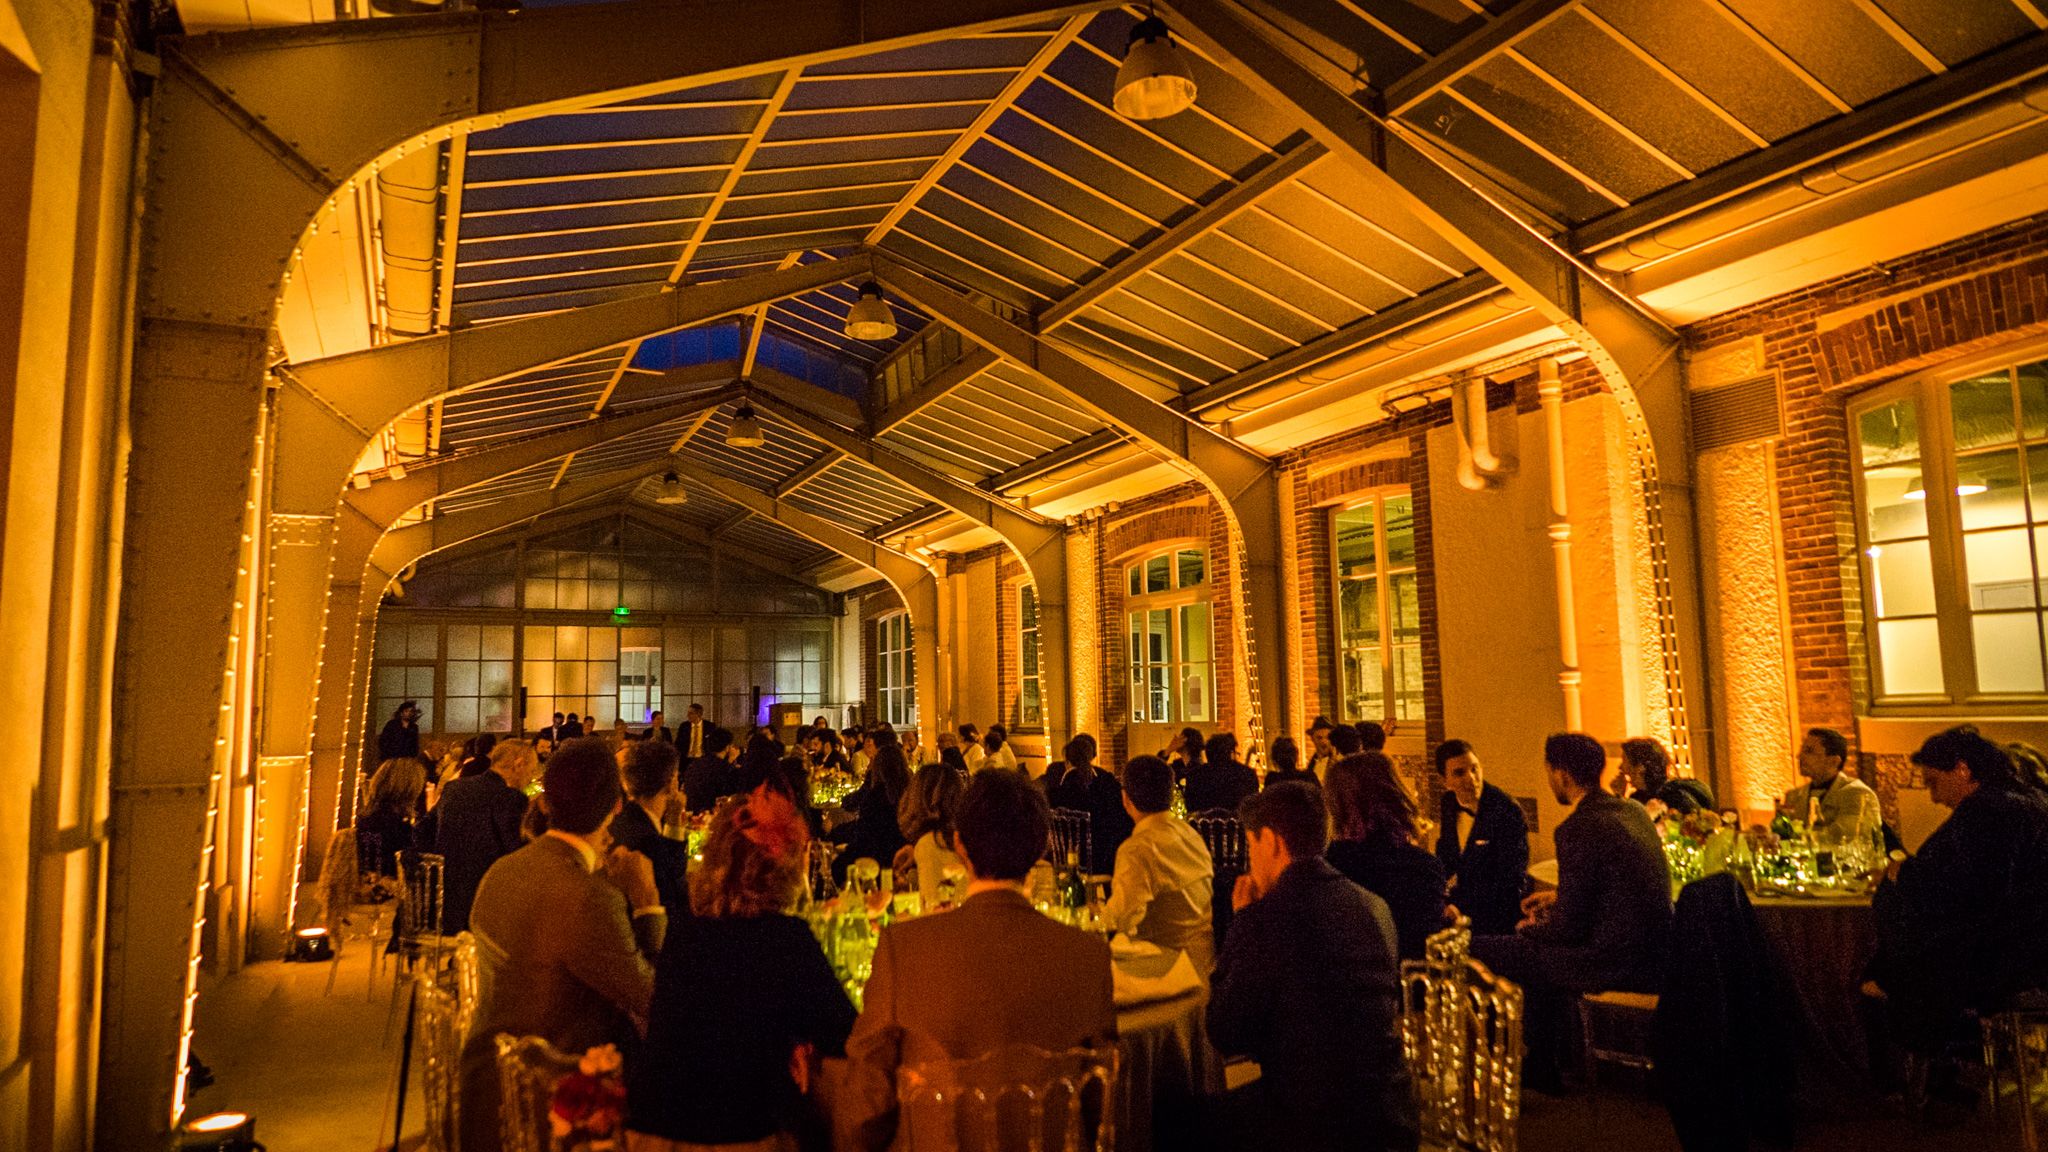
x=596, y=926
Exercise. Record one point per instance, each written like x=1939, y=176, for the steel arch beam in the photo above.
x=912, y=580
x=1634, y=350
x=274, y=123
x=1038, y=542
x=1243, y=481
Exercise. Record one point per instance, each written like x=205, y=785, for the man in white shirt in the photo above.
x=1163, y=883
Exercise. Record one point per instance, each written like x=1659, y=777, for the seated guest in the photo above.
x=1373, y=844
x=1324, y=753
x=1287, y=763
x=1345, y=741
x=1482, y=842
x=970, y=746
x=1161, y=891
x=573, y=728
x=563, y=934
x=1963, y=924
x=476, y=754
x=822, y=749
x=385, y=827
x=926, y=818
x=1372, y=736
x=657, y=730
x=991, y=973
x=1308, y=985
x=952, y=758
x=476, y=822
x=1645, y=776
x=1606, y=926
x=1076, y=783
x=873, y=833
x=1183, y=752
x=1833, y=803
x=998, y=752
x=712, y=775
x=741, y=993
x=649, y=772
x=1219, y=779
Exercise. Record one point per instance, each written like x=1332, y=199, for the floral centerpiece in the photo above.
x=588, y=1106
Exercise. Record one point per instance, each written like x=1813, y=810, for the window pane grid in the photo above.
x=1379, y=610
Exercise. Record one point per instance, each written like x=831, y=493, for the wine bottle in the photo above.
x=1073, y=886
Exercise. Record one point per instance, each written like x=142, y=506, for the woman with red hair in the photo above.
x=741, y=989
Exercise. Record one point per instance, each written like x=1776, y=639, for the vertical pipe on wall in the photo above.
x=1550, y=394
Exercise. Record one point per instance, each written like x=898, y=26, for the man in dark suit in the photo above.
x=573, y=728
x=651, y=787
x=991, y=973
x=656, y=730
x=712, y=775
x=695, y=734
x=476, y=822
x=1607, y=925
x=1309, y=986
x=1220, y=780
x=400, y=739
x=1482, y=842
x=556, y=732
x=564, y=934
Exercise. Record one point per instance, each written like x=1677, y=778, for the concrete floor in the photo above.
x=315, y=1066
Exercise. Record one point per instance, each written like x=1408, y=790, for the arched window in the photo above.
x=1172, y=653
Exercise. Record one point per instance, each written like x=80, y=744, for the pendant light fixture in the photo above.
x=672, y=490
x=1154, y=81
x=745, y=429
x=871, y=317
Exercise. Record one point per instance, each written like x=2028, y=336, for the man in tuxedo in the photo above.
x=564, y=934
x=574, y=727
x=712, y=775
x=656, y=730
x=652, y=786
x=1309, y=986
x=400, y=739
x=991, y=973
x=1482, y=842
x=1608, y=924
x=556, y=732
x=476, y=823
x=694, y=735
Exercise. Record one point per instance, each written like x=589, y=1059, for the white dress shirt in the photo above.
x=1161, y=889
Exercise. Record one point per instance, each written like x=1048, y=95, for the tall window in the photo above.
x=1379, y=609
x=1030, y=706
x=407, y=657
x=1952, y=486
x=477, y=694
x=1173, y=661
x=895, y=679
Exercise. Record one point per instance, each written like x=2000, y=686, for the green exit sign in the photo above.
x=622, y=612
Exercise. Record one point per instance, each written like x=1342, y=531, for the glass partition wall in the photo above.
x=609, y=620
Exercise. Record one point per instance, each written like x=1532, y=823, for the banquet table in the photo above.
x=1168, y=1064
x=1822, y=946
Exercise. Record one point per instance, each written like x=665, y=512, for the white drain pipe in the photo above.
x=1550, y=394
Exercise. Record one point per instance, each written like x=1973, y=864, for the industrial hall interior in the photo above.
x=784, y=575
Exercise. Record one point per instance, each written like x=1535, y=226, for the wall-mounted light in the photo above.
x=871, y=317
x=1154, y=81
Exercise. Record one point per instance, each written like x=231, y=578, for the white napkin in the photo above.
x=1179, y=980
x=1123, y=947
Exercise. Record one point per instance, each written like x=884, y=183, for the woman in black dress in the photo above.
x=386, y=825
x=1076, y=783
x=744, y=1000
x=1373, y=818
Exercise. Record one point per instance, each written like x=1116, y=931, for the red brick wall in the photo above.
x=1825, y=344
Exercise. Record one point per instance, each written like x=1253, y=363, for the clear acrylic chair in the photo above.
x=1461, y=1030
x=1073, y=831
x=437, y=1051
x=1017, y=1099
x=528, y=1069
x=2016, y=1049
